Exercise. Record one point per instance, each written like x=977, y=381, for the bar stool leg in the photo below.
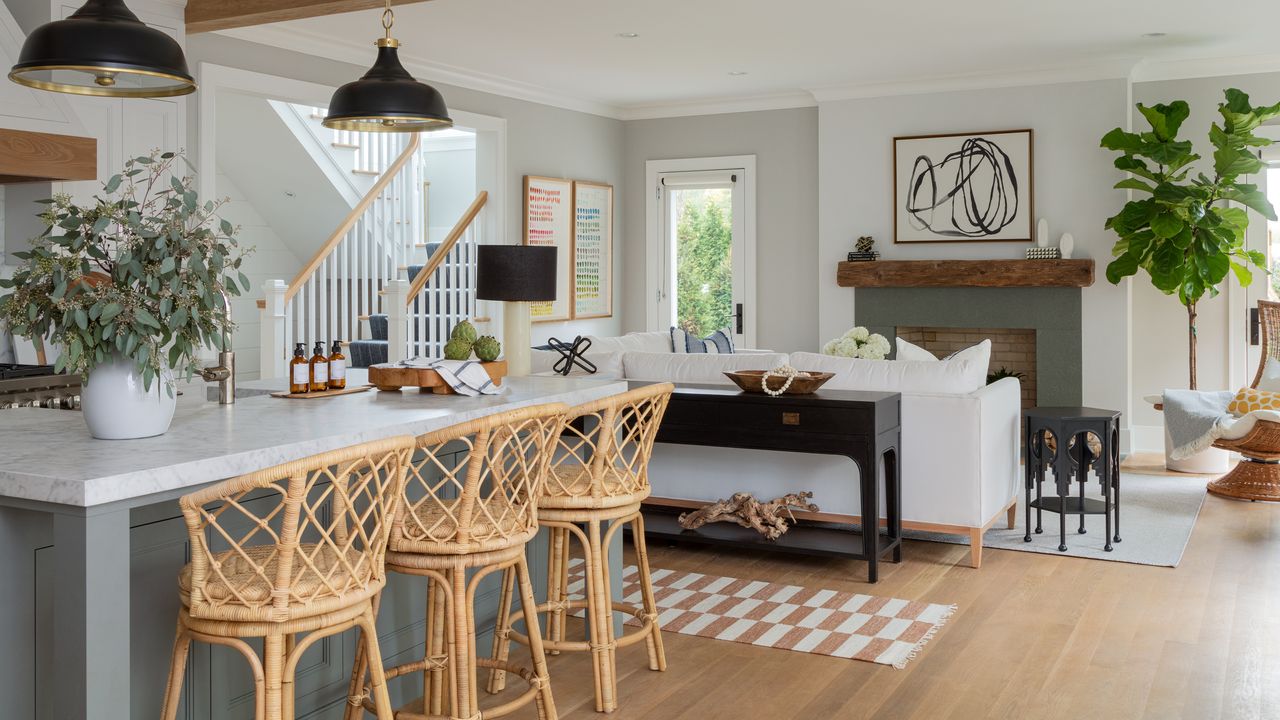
x=600, y=620
x=273, y=671
x=657, y=655
x=502, y=633
x=437, y=631
x=460, y=666
x=557, y=582
x=377, y=678
x=177, y=671
x=546, y=703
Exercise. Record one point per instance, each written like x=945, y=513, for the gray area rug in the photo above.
x=1157, y=515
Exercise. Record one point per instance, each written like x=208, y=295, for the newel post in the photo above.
x=273, y=354
x=396, y=295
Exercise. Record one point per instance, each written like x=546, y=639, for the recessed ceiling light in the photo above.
x=737, y=73
x=1154, y=35
x=628, y=35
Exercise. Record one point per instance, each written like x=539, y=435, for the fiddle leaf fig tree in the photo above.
x=1186, y=228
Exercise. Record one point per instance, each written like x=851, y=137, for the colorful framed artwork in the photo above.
x=548, y=220
x=592, y=250
x=963, y=187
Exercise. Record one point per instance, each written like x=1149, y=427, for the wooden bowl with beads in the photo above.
x=806, y=382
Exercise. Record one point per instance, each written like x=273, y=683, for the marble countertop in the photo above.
x=48, y=455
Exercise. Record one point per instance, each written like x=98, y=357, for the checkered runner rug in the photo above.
x=881, y=630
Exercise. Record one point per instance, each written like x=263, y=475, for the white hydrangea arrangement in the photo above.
x=858, y=343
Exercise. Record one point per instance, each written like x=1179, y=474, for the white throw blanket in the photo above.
x=466, y=377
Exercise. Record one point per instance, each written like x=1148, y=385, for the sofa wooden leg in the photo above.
x=1011, y=515
x=975, y=548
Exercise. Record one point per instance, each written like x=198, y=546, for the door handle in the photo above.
x=739, y=315
x=1255, y=327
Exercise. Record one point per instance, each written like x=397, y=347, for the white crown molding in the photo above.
x=361, y=54
x=1119, y=68
x=719, y=106
x=1157, y=70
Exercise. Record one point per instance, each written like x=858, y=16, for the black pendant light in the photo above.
x=387, y=98
x=103, y=49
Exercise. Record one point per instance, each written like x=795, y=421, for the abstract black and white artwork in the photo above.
x=969, y=187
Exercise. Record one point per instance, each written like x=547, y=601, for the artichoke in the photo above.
x=464, y=331
x=488, y=348
x=457, y=349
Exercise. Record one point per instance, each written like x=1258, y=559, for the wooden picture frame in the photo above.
x=592, y=250
x=964, y=187
x=548, y=220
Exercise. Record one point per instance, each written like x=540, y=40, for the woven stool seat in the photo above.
x=430, y=528
x=569, y=487
x=241, y=578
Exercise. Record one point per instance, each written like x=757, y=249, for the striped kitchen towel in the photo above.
x=466, y=377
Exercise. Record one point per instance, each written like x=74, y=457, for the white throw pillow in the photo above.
x=1270, y=380
x=908, y=351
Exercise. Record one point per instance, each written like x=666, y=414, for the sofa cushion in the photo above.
x=695, y=367
x=957, y=377
x=608, y=364
x=979, y=353
x=633, y=342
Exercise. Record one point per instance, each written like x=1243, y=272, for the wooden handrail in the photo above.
x=433, y=262
x=356, y=212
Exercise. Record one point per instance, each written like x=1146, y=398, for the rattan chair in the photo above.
x=470, y=502
x=297, y=548
x=1257, y=476
x=599, y=477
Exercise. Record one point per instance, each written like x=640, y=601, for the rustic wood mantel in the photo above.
x=966, y=273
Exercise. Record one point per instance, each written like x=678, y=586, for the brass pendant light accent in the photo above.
x=387, y=98
x=103, y=49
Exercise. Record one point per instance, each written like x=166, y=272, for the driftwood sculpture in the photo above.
x=770, y=519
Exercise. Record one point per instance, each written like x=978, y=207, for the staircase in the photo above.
x=373, y=283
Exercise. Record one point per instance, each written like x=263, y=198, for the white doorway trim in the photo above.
x=654, y=277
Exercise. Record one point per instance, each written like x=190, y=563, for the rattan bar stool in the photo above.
x=599, y=475
x=297, y=548
x=470, y=502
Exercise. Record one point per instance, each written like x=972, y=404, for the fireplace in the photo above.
x=1013, y=350
x=1033, y=330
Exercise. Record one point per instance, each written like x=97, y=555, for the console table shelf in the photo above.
x=966, y=273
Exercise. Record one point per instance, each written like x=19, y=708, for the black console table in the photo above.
x=862, y=426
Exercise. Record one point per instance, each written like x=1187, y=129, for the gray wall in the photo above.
x=785, y=143
x=541, y=140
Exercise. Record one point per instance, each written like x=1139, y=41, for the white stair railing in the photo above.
x=345, y=277
x=443, y=293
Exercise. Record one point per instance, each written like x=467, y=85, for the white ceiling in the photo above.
x=568, y=52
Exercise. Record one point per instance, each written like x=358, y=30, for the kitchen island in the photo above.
x=91, y=540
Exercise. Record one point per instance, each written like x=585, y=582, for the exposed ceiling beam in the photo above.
x=211, y=15
x=34, y=157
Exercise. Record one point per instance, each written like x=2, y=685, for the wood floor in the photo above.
x=1035, y=637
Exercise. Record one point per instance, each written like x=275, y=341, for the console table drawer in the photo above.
x=780, y=416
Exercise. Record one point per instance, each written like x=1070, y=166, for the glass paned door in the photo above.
x=704, y=285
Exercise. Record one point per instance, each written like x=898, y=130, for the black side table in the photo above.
x=1071, y=459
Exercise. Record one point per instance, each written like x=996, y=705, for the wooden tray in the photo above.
x=393, y=377
x=322, y=393
x=806, y=383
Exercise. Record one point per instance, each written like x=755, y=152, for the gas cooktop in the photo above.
x=10, y=371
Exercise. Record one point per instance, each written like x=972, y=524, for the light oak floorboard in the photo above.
x=1036, y=636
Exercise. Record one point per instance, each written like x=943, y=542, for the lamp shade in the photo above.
x=387, y=99
x=516, y=273
x=103, y=49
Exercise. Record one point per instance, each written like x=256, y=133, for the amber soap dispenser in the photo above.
x=319, y=369
x=299, y=370
x=337, y=367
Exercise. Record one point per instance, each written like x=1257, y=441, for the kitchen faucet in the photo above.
x=224, y=373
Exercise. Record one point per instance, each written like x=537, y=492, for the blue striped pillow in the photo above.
x=719, y=342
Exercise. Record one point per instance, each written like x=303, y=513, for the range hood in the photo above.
x=44, y=157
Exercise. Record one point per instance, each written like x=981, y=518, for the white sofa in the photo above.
x=960, y=437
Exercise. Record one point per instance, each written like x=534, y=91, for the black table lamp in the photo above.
x=516, y=275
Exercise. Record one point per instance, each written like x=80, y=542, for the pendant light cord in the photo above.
x=388, y=19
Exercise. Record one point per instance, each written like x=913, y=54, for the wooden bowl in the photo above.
x=806, y=383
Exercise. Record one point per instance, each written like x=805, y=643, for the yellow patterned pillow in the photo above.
x=1248, y=400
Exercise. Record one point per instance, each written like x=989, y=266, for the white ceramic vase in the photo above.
x=117, y=407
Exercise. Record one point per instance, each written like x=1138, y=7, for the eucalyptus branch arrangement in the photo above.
x=139, y=273
x=1186, y=233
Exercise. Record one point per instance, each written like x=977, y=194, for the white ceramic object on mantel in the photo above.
x=1067, y=245
x=1042, y=233
x=117, y=407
